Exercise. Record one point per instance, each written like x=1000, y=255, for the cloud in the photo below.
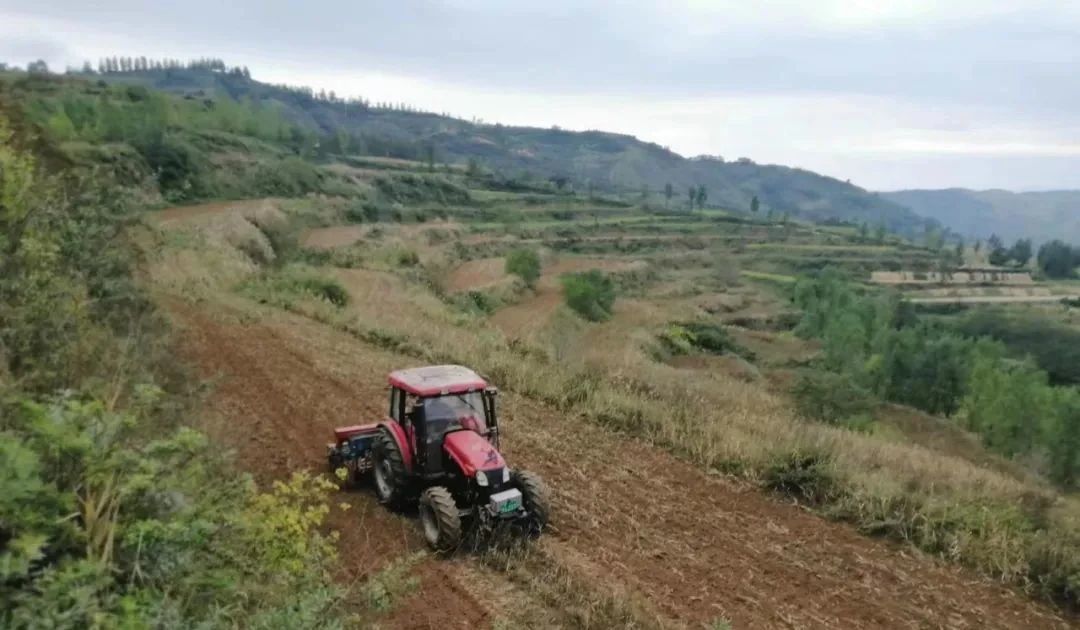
x=857, y=88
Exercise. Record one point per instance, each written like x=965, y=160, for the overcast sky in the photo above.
x=914, y=94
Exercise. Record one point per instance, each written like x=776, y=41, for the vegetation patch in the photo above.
x=282, y=287
x=683, y=338
x=413, y=188
x=590, y=294
x=113, y=513
x=524, y=263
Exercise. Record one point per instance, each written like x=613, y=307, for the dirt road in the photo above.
x=696, y=547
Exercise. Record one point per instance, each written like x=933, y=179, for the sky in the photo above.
x=890, y=95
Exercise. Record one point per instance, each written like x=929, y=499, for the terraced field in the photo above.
x=657, y=459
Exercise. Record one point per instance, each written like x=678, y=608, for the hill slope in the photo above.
x=605, y=160
x=979, y=213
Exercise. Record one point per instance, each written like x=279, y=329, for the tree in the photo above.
x=429, y=155
x=864, y=231
x=702, y=196
x=1005, y=401
x=37, y=67
x=829, y=397
x=960, y=251
x=933, y=238
x=978, y=246
x=879, y=233
x=1021, y=251
x=1057, y=259
x=669, y=192
x=525, y=264
x=754, y=204
x=1062, y=430
x=996, y=252
x=691, y=194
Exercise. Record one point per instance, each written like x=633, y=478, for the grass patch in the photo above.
x=762, y=276
x=282, y=287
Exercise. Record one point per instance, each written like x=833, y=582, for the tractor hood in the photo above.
x=472, y=452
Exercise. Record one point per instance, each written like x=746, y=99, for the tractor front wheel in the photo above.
x=537, y=501
x=391, y=478
x=440, y=519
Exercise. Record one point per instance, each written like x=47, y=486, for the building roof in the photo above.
x=435, y=380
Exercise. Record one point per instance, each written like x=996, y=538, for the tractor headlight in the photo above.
x=481, y=479
x=506, y=474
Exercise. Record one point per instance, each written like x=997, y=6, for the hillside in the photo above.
x=738, y=429
x=607, y=161
x=1041, y=216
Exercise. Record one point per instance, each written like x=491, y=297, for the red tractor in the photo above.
x=439, y=445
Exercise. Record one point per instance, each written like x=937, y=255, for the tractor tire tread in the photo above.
x=444, y=507
x=386, y=446
x=536, y=496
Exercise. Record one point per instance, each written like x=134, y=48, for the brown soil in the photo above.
x=476, y=274
x=993, y=299
x=190, y=212
x=276, y=407
x=698, y=547
x=532, y=313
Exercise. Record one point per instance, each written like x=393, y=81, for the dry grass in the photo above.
x=1018, y=530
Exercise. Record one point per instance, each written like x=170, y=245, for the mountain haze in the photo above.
x=1042, y=216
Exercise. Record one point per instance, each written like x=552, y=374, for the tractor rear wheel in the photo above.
x=440, y=519
x=537, y=501
x=391, y=478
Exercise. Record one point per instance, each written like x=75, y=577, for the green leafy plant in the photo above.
x=525, y=264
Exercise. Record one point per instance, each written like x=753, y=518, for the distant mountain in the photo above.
x=604, y=160
x=1042, y=216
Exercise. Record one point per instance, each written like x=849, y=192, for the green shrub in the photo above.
x=829, y=396
x=111, y=514
x=677, y=340
x=178, y=165
x=362, y=211
x=801, y=475
x=413, y=188
x=285, y=285
x=681, y=338
x=407, y=258
x=1054, y=346
x=591, y=294
x=524, y=263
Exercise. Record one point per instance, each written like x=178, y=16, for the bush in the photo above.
x=112, y=515
x=800, y=475
x=178, y=166
x=591, y=294
x=830, y=397
x=524, y=263
x=364, y=211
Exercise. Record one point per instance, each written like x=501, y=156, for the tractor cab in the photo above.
x=432, y=403
x=439, y=448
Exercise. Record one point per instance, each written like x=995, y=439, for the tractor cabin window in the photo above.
x=395, y=403
x=453, y=412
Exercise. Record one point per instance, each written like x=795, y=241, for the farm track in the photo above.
x=695, y=547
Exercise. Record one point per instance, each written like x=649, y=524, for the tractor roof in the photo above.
x=435, y=380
